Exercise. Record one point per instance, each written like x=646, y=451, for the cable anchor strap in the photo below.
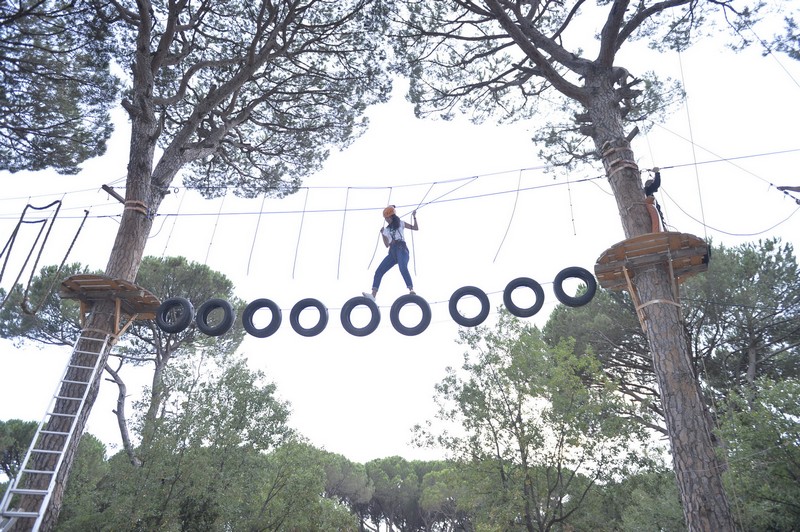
x=654, y=301
x=138, y=206
x=620, y=164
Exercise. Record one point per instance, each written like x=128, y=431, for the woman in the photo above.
x=394, y=239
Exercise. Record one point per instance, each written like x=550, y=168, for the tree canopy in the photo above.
x=520, y=420
x=56, y=87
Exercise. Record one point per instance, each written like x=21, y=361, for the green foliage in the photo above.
x=645, y=501
x=81, y=496
x=56, y=89
x=519, y=60
x=789, y=42
x=15, y=437
x=169, y=277
x=223, y=458
x=607, y=328
x=253, y=95
x=743, y=315
x=36, y=313
x=527, y=431
x=761, y=431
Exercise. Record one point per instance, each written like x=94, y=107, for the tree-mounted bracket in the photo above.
x=685, y=255
x=131, y=302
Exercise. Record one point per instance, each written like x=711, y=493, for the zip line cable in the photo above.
x=468, y=179
x=693, y=146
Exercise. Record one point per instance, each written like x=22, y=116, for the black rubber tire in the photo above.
x=401, y=302
x=518, y=311
x=469, y=291
x=578, y=273
x=184, y=318
x=370, y=327
x=300, y=306
x=229, y=316
x=255, y=306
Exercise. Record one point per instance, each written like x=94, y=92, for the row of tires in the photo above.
x=176, y=314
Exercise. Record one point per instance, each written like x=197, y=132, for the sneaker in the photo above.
x=368, y=295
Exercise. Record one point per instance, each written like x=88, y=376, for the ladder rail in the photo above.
x=41, y=430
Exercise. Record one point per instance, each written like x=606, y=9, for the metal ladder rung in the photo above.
x=19, y=513
x=93, y=368
x=46, y=451
x=75, y=382
x=37, y=472
x=60, y=414
x=75, y=366
x=28, y=491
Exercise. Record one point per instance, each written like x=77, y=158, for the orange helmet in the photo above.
x=388, y=211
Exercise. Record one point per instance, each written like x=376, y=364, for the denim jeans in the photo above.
x=398, y=254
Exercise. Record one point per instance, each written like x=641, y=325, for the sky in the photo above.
x=488, y=213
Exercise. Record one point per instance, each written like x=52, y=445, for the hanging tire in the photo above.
x=185, y=315
x=578, y=273
x=469, y=291
x=250, y=311
x=370, y=327
x=205, y=310
x=516, y=310
x=401, y=302
x=300, y=306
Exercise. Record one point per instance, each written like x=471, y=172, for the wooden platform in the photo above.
x=685, y=254
x=131, y=299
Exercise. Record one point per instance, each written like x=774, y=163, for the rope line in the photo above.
x=511, y=218
x=374, y=251
x=299, y=232
x=214, y=232
x=25, y=302
x=341, y=237
x=693, y=146
x=413, y=247
x=174, y=222
x=255, y=233
x=725, y=232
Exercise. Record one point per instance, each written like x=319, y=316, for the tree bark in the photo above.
x=698, y=470
x=142, y=200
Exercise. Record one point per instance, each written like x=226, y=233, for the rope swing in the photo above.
x=12, y=240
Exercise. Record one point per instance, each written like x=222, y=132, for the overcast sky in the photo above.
x=721, y=154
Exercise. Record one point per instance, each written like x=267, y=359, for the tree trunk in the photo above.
x=142, y=200
x=697, y=468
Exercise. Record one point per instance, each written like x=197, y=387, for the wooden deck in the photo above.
x=685, y=254
x=131, y=299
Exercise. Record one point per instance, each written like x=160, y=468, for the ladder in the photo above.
x=26, y=499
